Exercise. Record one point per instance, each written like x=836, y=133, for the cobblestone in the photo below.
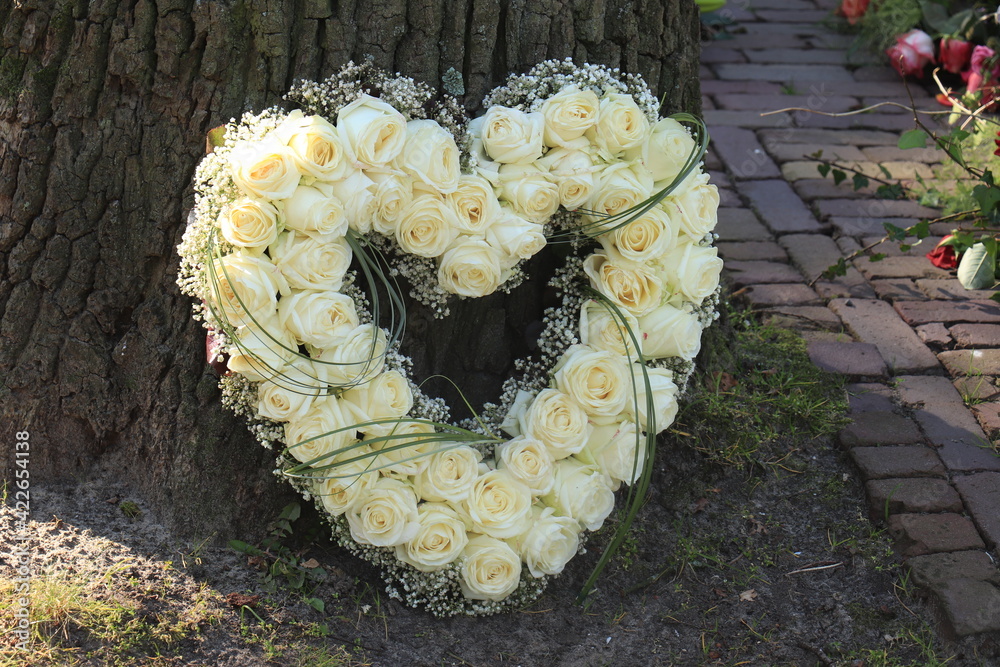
x=741, y=152
x=851, y=359
x=922, y=312
x=922, y=534
x=879, y=428
x=754, y=273
x=981, y=493
x=895, y=496
x=971, y=362
x=803, y=317
x=976, y=335
x=740, y=224
x=908, y=461
x=779, y=207
x=876, y=322
x=782, y=294
x=870, y=397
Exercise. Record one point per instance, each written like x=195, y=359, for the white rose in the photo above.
x=618, y=449
x=621, y=125
x=250, y=223
x=646, y=238
x=321, y=436
x=259, y=351
x=264, y=169
x=515, y=238
x=323, y=319
x=358, y=358
x=244, y=288
x=471, y=268
x=427, y=226
x=289, y=394
x=573, y=172
x=696, y=206
x=315, y=145
x=569, y=114
x=619, y=188
x=343, y=486
x=692, y=271
x=357, y=192
x=315, y=210
x=431, y=156
x=387, y=396
x=490, y=570
x=373, y=132
x=310, y=263
x=475, y=205
x=596, y=379
x=439, y=541
x=529, y=191
x=664, y=397
x=386, y=515
x=405, y=450
x=602, y=330
x=629, y=285
x=530, y=461
x=499, y=504
x=392, y=195
x=449, y=475
x=550, y=543
x=510, y=136
x=516, y=413
x=666, y=149
x=669, y=331
x=558, y=421
x=582, y=492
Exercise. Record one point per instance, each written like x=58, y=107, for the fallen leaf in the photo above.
x=721, y=593
x=310, y=564
x=721, y=382
x=748, y=595
x=699, y=505
x=715, y=490
x=241, y=600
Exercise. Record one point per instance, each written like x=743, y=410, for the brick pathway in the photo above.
x=916, y=346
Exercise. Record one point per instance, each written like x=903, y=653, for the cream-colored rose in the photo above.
x=340, y=488
x=621, y=125
x=664, y=399
x=490, y=570
x=596, y=379
x=373, y=132
x=573, y=172
x=315, y=145
x=357, y=359
x=629, y=285
x=619, y=188
x=386, y=515
x=250, y=223
x=517, y=412
x=601, y=329
x=289, y=394
x=264, y=169
x=386, y=398
x=311, y=263
x=696, y=206
x=510, y=136
x=558, y=421
x=449, y=475
x=692, y=271
x=427, y=226
x=618, y=449
x=439, y=541
x=357, y=192
x=321, y=436
x=430, y=156
x=475, y=205
x=529, y=191
x=471, y=268
x=323, y=319
x=666, y=149
x=515, y=238
x=392, y=195
x=261, y=350
x=244, y=288
x=669, y=331
x=530, y=461
x=568, y=114
x=646, y=238
x=582, y=492
x=550, y=543
x=315, y=210
x=499, y=504
x=405, y=450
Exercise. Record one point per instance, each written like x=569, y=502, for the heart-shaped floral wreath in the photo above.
x=375, y=177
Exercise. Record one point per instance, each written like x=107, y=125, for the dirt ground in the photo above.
x=774, y=563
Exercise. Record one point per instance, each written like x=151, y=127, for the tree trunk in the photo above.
x=104, y=107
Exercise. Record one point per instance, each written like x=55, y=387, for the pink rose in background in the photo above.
x=911, y=53
x=984, y=73
x=853, y=10
x=954, y=54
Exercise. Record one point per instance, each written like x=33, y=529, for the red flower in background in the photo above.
x=943, y=256
x=983, y=74
x=954, y=54
x=911, y=53
x=853, y=10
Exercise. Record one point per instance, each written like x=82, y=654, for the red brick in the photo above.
x=728, y=198
x=716, y=118
x=742, y=153
x=735, y=87
x=875, y=322
x=874, y=121
x=976, y=387
x=754, y=273
x=889, y=153
x=971, y=607
x=971, y=362
x=876, y=73
x=922, y=312
x=870, y=397
x=762, y=102
x=896, y=289
x=939, y=409
x=801, y=56
x=779, y=207
x=950, y=288
x=878, y=208
x=895, y=496
x=976, y=335
x=939, y=568
x=794, y=16
x=759, y=251
x=910, y=461
x=803, y=318
x=783, y=73
x=934, y=334
x=811, y=189
x=781, y=294
x=879, y=428
x=714, y=56
x=922, y=534
x=864, y=226
x=988, y=415
x=981, y=493
x=740, y=224
x=898, y=267
x=807, y=135
x=853, y=359
x=785, y=152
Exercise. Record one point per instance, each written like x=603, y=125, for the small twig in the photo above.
x=854, y=112
x=816, y=568
x=837, y=165
x=817, y=651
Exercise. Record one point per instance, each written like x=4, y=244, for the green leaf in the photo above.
x=935, y=16
x=316, y=604
x=912, y=139
x=217, y=136
x=893, y=232
x=885, y=172
x=995, y=296
x=905, y=247
x=890, y=191
x=823, y=169
x=921, y=230
x=977, y=268
x=860, y=181
x=838, y=176
x=838, y=269
x=876, y=257
x=817, y=155
x=987, y=196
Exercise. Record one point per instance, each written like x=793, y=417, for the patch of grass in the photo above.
x=130, y=509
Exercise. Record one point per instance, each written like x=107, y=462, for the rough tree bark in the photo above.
x=104, y=106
